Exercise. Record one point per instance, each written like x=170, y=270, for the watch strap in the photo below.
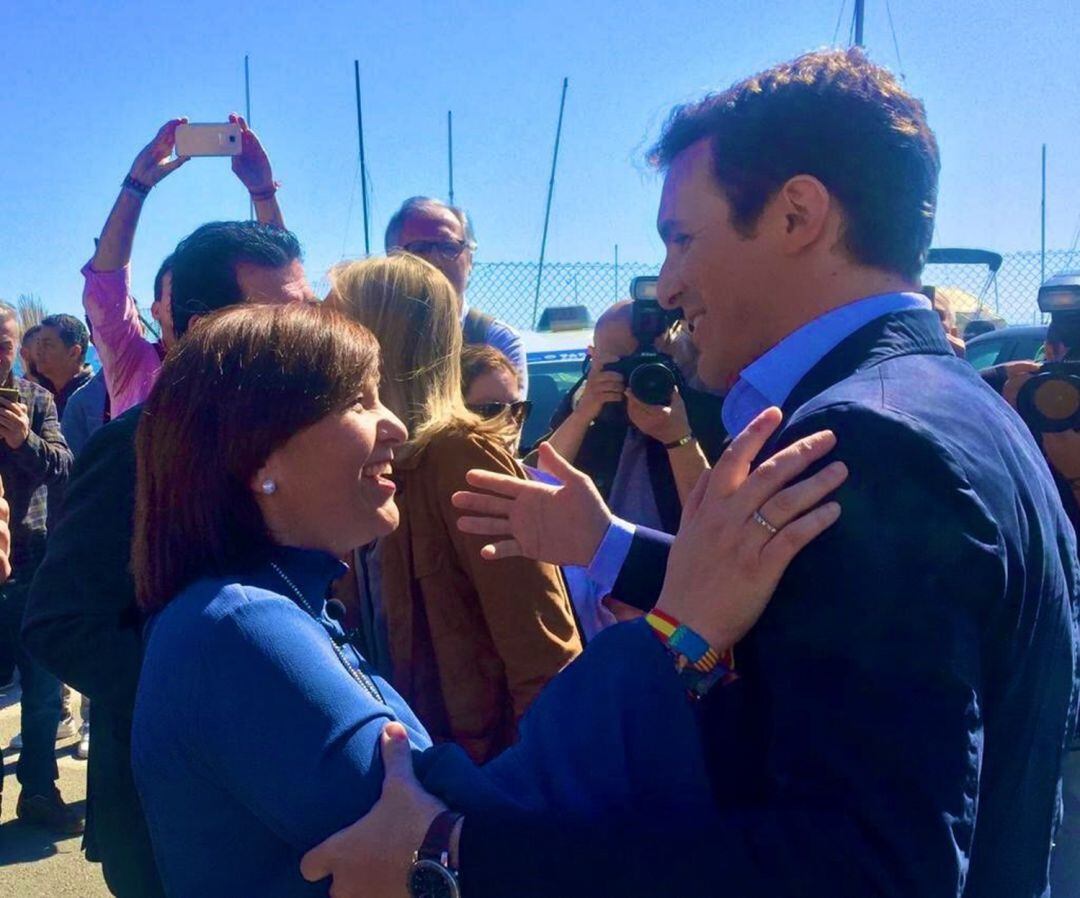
x=436, y=844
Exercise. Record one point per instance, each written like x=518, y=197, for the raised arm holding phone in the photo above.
x=131, y=361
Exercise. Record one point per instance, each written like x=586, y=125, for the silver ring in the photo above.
x=759, y=518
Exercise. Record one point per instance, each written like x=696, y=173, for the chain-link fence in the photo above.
x=507, y=290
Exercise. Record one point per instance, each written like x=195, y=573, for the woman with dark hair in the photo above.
x=258, y=468
x=264, y=455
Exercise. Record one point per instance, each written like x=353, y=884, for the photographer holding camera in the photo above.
x=633, y=424
x=1047, y=396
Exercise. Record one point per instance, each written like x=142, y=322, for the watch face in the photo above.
x=430, y=879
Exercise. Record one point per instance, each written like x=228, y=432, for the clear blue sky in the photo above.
x=85, y=85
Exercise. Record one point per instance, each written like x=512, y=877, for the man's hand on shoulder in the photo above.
x=371, y=858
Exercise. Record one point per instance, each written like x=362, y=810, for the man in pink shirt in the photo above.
x=130, y=360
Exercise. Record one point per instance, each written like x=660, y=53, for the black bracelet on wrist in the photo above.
x=678, y=444
x=136, y=186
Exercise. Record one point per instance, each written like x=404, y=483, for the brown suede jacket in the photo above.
x=472, y=641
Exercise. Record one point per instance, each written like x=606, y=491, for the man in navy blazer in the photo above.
x=902, y=707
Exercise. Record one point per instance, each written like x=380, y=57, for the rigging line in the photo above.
x=371, y=190
x=839, y=19
x=896, y=43
x=851, y=32
x=348, y=215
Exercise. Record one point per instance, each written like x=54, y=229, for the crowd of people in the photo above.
x=806, y=627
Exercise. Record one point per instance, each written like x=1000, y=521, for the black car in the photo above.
x=1008, y=344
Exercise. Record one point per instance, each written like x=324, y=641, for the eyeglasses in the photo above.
x=446, y=249
x=518, y=411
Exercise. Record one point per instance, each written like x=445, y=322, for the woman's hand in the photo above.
x=725, y=562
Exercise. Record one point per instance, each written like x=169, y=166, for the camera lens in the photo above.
x=652, y=383
x=1050, y=401
x=1057, y=401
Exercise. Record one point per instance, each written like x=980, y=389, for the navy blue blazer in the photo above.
x=904, y=702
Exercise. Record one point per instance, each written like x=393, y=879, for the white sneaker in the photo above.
x=65, y=730
x=82, y=750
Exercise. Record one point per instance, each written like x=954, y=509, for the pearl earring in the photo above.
x=269, y=487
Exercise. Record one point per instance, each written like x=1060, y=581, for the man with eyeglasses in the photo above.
x=443, y=236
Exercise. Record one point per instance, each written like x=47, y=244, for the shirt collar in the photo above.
x=770, y=379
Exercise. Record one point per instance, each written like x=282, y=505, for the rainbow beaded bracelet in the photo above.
x=699, y=665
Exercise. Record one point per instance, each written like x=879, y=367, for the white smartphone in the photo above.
x=208, y=140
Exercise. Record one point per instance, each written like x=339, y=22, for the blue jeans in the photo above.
x=36, y=770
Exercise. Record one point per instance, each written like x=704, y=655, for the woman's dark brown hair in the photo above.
x=238, y=386
x=478, y=360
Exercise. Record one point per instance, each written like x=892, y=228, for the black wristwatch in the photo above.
x=430, y=875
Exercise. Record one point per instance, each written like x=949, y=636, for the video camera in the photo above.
x=651, y=375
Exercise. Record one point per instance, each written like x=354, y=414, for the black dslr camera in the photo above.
x=651, y=376
x=1050, y=401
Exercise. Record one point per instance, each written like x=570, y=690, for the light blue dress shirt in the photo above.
x=762, y=384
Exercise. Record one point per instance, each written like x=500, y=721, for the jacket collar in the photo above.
x=912, y=332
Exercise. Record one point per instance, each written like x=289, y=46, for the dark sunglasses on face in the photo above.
x=519, y=410
x=447, y=249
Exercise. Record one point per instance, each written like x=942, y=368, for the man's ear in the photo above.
x=808, y=212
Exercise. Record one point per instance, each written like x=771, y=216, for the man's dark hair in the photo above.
x=204, y=265
x=159, y=278
x=1064, y=328
x=71, y=330
x=839, y=118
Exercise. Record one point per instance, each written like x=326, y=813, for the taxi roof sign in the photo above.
x=564, y=318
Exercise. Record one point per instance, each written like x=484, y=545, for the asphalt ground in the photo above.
x=33, y=862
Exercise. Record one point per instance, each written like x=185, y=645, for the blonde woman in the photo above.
x=471, y=644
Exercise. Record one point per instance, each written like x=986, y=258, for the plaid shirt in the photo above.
x=28, y=471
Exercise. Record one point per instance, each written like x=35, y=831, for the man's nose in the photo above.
x=668, y=288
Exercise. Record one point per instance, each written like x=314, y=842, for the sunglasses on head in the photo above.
x=519, y=410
